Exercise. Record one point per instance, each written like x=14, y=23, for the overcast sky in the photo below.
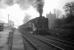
x=19, y=8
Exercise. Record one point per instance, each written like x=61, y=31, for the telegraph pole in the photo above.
x=8, y=18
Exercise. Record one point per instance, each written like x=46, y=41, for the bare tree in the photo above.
x=69, y=9
x=26, y=18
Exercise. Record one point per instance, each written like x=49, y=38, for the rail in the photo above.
x=56, y=43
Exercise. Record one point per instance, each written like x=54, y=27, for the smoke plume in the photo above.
x=9, y=2
x=22, y=3
x=25, y=4
x=5, y=3
x=39, y=6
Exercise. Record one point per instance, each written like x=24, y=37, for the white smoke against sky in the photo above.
x=24, y=4
x=19, y=8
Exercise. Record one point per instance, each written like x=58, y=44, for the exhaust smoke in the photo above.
x=39, y=6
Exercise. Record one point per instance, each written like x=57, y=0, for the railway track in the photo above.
x=37, y=42
x=57, y=43
x=39, y=45
x=63, y=41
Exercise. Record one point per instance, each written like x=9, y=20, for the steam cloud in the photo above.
x=5, y=3
x=40, y=4
x=9, y=2
x=24, y=4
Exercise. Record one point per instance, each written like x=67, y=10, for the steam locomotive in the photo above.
x=36, y=26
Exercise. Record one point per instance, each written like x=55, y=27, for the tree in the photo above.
x=65, y=27
x=26, y=18
x=69, y=9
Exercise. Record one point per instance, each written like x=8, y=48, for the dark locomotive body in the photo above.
x=37, y=26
